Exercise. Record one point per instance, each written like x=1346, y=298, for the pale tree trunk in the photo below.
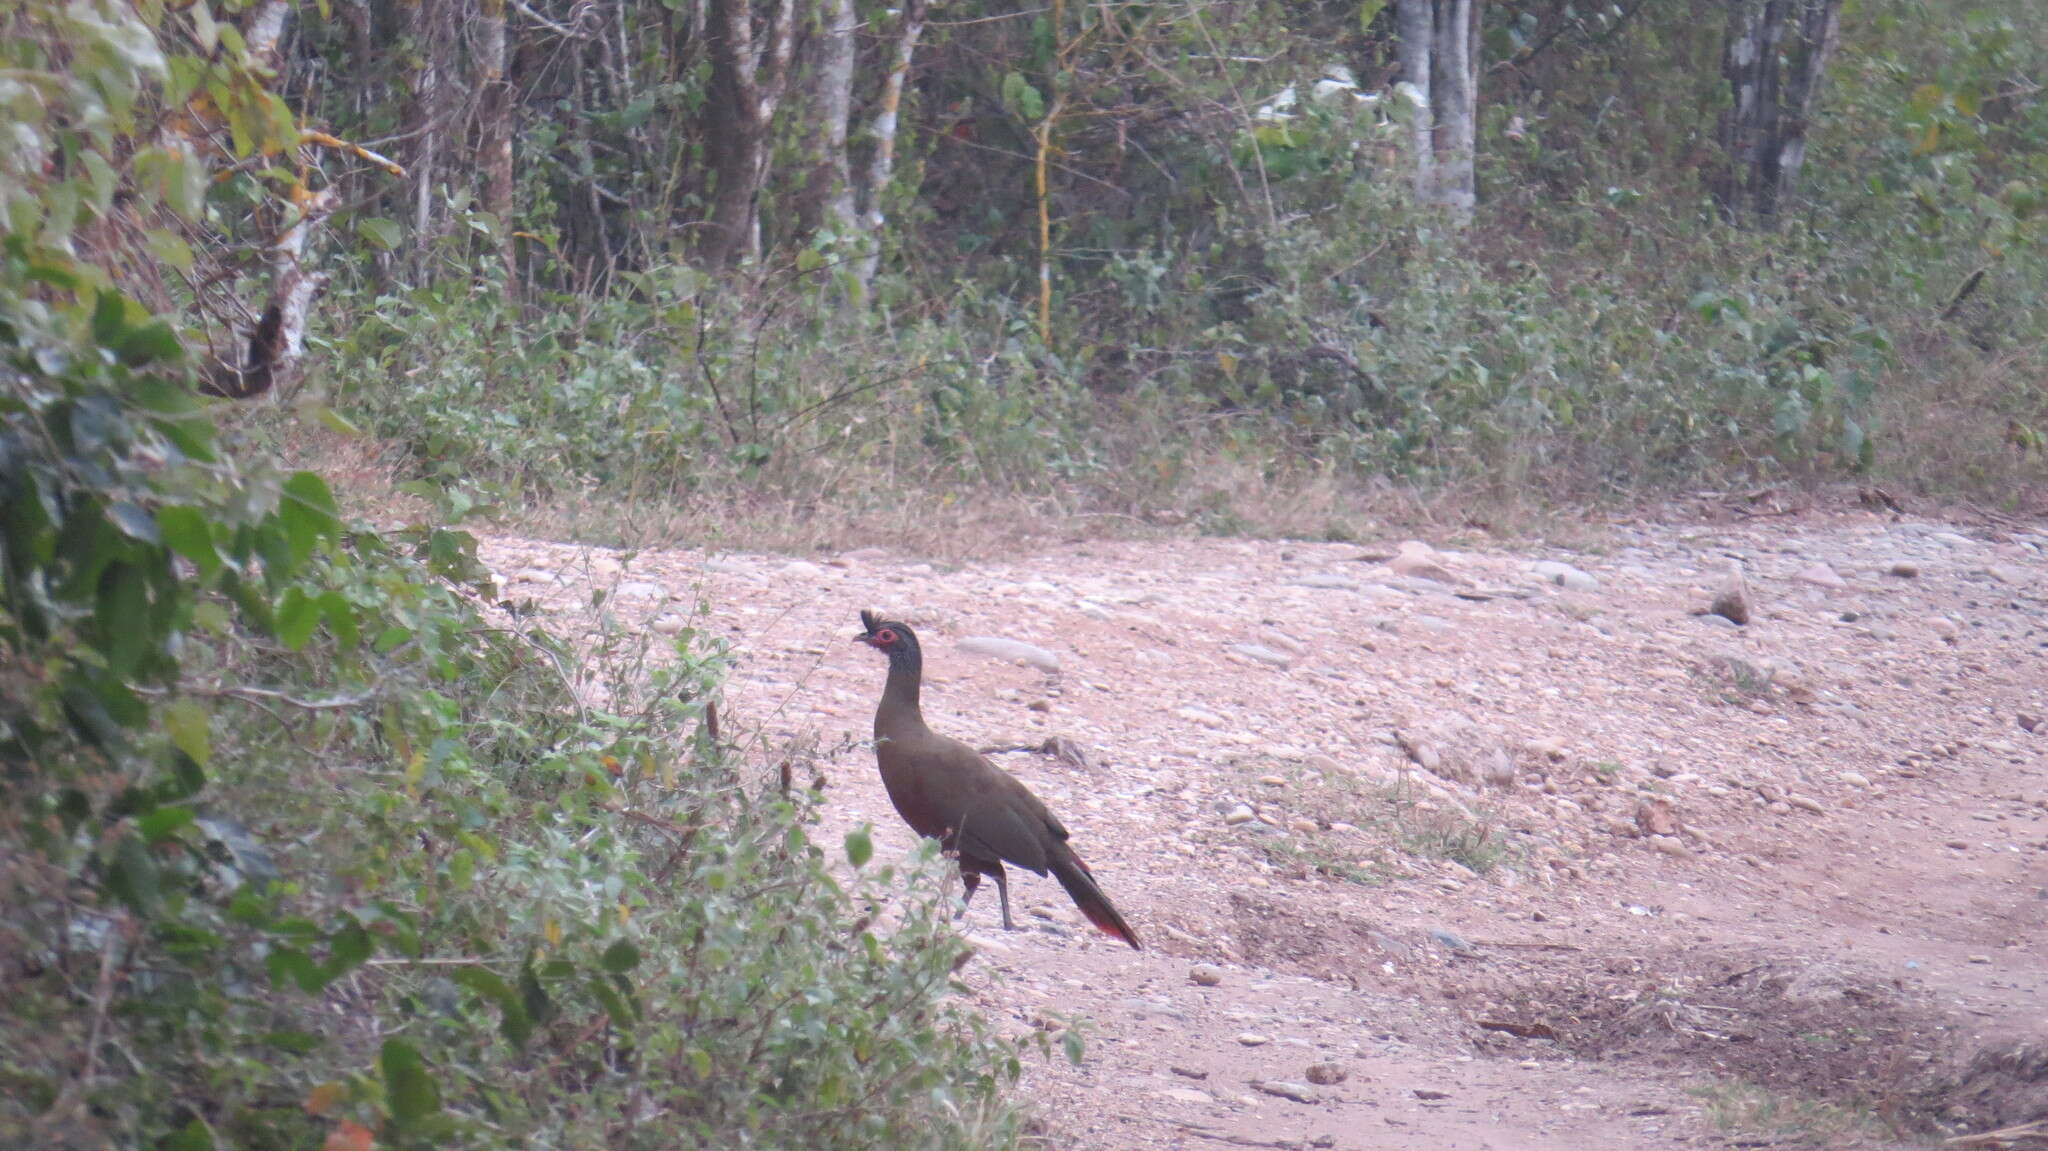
x=428, y=26
x=748, y=73
x=1415, y=28
x=882, y=136
x=1773, y=59
x=277, y=340
x=829, y=198
x=1439, y=54
x=494, y=132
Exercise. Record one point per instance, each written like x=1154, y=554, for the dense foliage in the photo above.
x=302, y=841
x=1126, y=234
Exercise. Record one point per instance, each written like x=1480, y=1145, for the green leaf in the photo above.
x=308, y=513
x=122, y=614
x=615, y=1005
x=133, y=522
x=348, y=947
x=297, y=615
x=289, y=965
x=514, y=1021
x=132, y=876
x=109, y=317
x=409, y=1091
x=189, y=726
x=149, y=344
x=187, y=532
x=621, y=956
x=340, y=615
x=382, y=234
x=860, y=846
x=163, y=823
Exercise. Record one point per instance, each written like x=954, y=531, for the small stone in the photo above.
x=1854, y=778
x=1040, y=705
x=1187, y=1095
x=1980, y=959
x=1904, y=569
x=1564, y=575
x=1671, y=845
x=1821, y=575
x=1197, y=715
x=2028, y=723
x=1279, y=640
x=1732, y=602
x=1299, y=1092
x=669, y=624
x=1254, y=1039
x=1656, y=817
x=1779, y=807
x=1418, y=560
x=1240, y=814
x=1431, y=1094
x=1262, y=653
x=1301, y=826
x=1806, y=803
x=1273, y=780
x=640, y=589
x=801, y=569
x=1010, y=650
x=1450, y=939
x=1327, y=1074
x=1945, y=628
x=1205, y=975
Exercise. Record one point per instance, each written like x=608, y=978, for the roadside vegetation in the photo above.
x=304, y=841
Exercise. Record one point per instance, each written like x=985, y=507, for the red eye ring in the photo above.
x=886, y=635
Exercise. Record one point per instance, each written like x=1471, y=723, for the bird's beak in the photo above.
x=865, y=638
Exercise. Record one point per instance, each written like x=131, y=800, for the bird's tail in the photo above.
x=1080, y=884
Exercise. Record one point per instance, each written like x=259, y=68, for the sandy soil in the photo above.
x=1430, y=850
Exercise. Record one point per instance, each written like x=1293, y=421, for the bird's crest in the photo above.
x=870, y=620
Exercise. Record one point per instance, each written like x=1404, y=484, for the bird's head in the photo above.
x=890, y=637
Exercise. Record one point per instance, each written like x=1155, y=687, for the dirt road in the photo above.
x=1476, y=847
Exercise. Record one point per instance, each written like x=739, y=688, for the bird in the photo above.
x=982, y=815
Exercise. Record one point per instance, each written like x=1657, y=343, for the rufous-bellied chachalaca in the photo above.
x=947, y=791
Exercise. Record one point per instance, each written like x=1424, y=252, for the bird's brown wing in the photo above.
x=993, y=815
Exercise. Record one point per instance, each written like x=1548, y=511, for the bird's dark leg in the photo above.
x=1003, y=892
x=970, y=880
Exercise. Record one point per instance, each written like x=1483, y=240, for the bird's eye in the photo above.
x=886, y=635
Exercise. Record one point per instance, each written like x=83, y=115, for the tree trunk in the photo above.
x=1773, y=59
x=828, y=201
x=1439, y=55
x=882, y=135
x=746, y=85
x=494, y=132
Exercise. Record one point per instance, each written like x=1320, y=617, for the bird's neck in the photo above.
x=899, y=696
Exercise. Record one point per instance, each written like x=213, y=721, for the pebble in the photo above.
x=1327, y=1074
x=1450, y=939
x=1821, y=575
x=1563, y=575
x=1197, y=715
x=1980, y=959
x=1014, y=651
x=1904, y=569
x=1205, y=975
x=1945, y=628
x=1806, y=803
x=1418, y=560
x=1262, y=653
x=1732, y=602
x=1670, y=845
x=640, y=589
x=1299, y=1092
x=1242, y=813
x=1301, y=826
x=1187, y=1095
x=1254, y=1039
x=1854, y=778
